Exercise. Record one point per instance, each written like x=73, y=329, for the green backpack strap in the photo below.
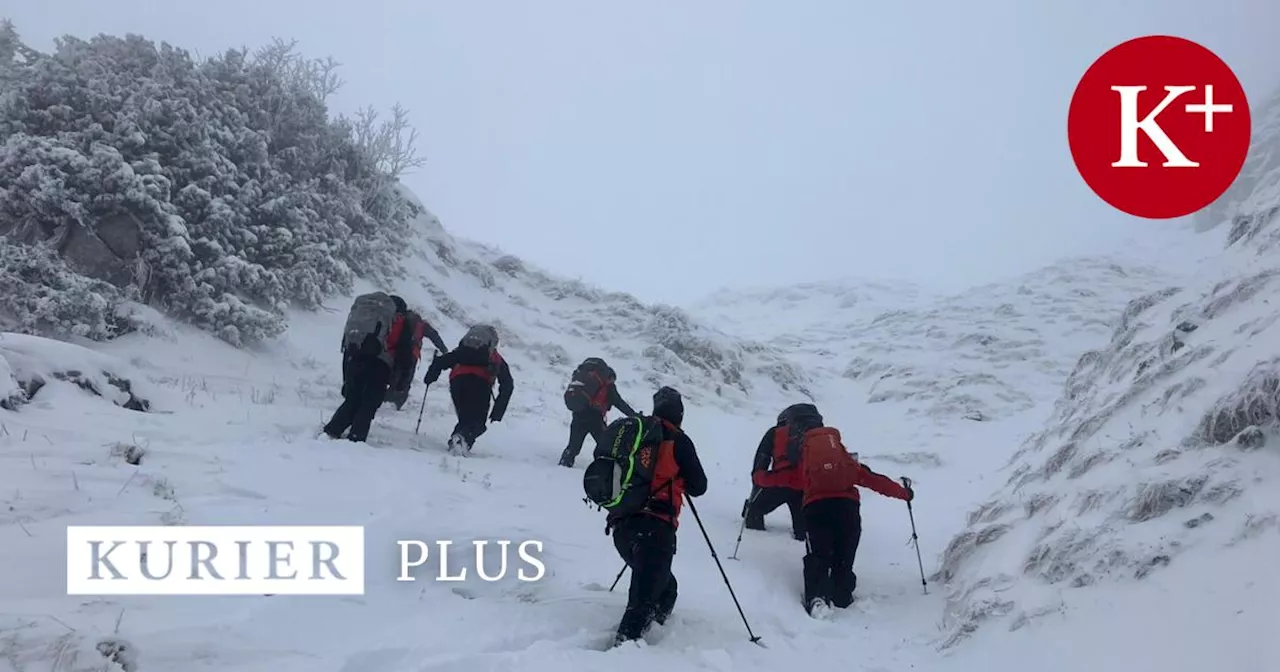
x=631, y=464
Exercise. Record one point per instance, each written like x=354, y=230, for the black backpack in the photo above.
x=796, y=420
x=585, y=383
x=620, y=476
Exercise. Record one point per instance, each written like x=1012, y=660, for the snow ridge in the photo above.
x=990, y=352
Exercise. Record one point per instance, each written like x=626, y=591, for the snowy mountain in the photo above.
x=554, y=323
x=1158, y=460
x=808, y=316
x=988, y=352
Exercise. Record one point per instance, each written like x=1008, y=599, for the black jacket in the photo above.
x=764, y=452
x=434, y=336
x=616, y=401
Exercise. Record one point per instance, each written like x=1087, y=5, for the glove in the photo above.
x=906, y=484
x=430, y=378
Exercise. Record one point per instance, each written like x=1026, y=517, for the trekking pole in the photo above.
x=755, y=492
x=906, y=482
x=425, y=386
x=754, y=638
x=619, y=577
x=422, y=409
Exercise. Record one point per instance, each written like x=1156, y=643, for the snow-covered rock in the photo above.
x=29, y=363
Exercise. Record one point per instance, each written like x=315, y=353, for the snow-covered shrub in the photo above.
x=218, y=190
x=42, y=295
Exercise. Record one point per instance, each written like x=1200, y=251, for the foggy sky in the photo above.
x=669, y=148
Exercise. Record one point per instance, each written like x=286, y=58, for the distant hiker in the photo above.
x=830, y=477
x=373, y=339
x=643, y=517
x=409, y=351
x=474, y=367
x=591, y=394
x=776, y=481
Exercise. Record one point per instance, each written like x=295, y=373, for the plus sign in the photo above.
x=1207, y=108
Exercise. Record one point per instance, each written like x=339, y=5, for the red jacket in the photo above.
x=667, y=486
x=865, y=478
x=396, y=334
x=772, y=468
x=489, y=373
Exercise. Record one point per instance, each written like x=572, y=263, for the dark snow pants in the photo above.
x=364, y=387
x=471, y=403
x=648, y=545
x=400, y=382
x=769, y=499
x=584, y=424
x=834, y=528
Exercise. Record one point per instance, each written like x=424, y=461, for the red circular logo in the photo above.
x=1159, y=127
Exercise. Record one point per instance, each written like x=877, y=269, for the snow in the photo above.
x=231, y=439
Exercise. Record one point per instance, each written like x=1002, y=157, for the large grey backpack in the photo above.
x=480, y=337
x=368, y=324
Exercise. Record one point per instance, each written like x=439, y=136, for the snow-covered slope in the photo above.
x=228, y=437
x=1161, y=452
x=811, y=316
x=989, y=352
x=552, y=324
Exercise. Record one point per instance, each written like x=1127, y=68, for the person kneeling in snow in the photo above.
x=646, y=540
x=829, y=478
x=776, y=479
x=473, y=368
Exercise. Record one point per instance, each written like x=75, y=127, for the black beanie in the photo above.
x=668, y=405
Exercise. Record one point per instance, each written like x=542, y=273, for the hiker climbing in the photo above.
x=474, y=366
x=829, y=478
x=372, y=341
x=591, y=394
x=776, y=481
x=409, y=352
x=643, y=468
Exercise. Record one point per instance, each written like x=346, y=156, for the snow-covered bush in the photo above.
x=41, y=294
x=218, y=190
